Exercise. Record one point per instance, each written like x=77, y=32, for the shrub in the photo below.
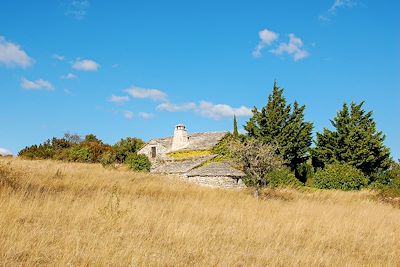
x=304, y=172
x=42, y=151
x=107, y=158
x=137, y=162
x=79, y=154
x=339, y=176
x=127, y=146
x=282, y=178
x=391, y=187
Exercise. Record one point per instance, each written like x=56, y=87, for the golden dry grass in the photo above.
x=60, y=214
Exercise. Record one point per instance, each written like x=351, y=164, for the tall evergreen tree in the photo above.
x=235, y=127
x=355, y=141
x=280, y=125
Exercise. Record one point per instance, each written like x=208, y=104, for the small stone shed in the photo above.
x=202, y=169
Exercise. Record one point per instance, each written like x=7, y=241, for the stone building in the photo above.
x=200, y=169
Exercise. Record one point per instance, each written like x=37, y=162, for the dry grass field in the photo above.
x=61, y=214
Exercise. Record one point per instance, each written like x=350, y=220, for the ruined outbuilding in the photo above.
x=200, y=169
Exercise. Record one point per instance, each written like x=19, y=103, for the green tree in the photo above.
x=127, y=146
x=354, y=140
x=92, y=138
x=235, y=127
x=256, y=160
x=282, y=126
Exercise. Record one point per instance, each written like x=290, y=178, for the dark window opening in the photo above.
x=153, y=152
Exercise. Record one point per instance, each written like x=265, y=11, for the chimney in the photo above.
x=180, y=139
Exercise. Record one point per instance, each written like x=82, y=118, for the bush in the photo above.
x=127, y=146
x=107, y=158
x=304, y=172
x=78, y=154
x=339, y=176
x=282, y=178
x=137, y=162
x=391, y=186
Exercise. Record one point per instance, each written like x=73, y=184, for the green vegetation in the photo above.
x=354, y=141
x=138, y=162
x=340, y=176
x=235, y=128
x=282, y=177
x=72, y=148
x=283, y=126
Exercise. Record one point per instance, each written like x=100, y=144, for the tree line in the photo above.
x=278, y=148
x=90, y=149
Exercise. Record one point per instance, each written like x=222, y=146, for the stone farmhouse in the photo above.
x=190, y=157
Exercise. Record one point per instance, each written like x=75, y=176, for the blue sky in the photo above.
x=137, y=68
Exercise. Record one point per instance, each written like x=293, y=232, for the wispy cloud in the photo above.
x=219, y=111
x=128, y=114
x=145, y=115
x=119, y=100
x=5, y=152
x=36, y=85
x=69, y=76
x=11, y=55
x=337, y=4
x=58, y=57
x=207, y=109
x=85, y=65
x=293, y=48
x=144, y=93
x=77, y=8
x=267, y=37
x=175, y=108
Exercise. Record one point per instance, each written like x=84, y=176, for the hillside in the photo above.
x=76, y=214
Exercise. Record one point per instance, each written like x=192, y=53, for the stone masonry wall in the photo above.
x=217, y=181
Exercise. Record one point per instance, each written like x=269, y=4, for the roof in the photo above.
x=197, y=141
x=216, y=169
x=180, y=166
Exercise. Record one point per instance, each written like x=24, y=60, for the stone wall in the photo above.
x=217, y=181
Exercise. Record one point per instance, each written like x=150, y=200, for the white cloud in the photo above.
x=337, y=4
x=5, y=152
x=86, y=65
x=219, y=111
x=175, y=108
x=77, y=8
x=207, y=109
x=58, y=57
x=292, y=48
x=119, y=100
x=69, y=76
x=128, y=114
x=340, y=4
x=145, y=115
x=11, y=55
x=36, y=85
x=143, y=93
x=267, y=37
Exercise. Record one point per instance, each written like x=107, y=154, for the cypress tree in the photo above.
x=281, y=126
x=354, y=140
x=235, y=127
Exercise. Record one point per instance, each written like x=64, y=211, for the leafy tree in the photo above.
x=256, y=159
x=354, y=140
x=92, y=138
x=138, y=162
x=283, y=126
x=127, y=146
x=235, y=127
